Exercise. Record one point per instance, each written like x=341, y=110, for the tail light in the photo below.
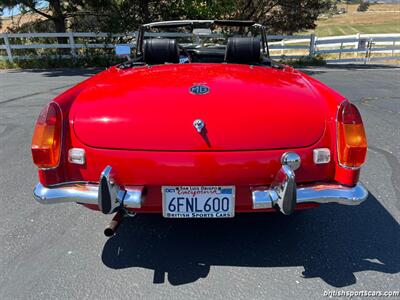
x=352, y=141
x=46, y=140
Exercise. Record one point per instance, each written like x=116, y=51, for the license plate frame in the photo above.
x=204, y=192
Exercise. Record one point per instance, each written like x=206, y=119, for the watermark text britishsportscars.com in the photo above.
x=362, y=293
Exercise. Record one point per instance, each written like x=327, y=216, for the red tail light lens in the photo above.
x=46, y=140
x=352, y=141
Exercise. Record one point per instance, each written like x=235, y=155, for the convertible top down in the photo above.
x=200, y=122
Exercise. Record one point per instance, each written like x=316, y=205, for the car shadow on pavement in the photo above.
x=331, y=242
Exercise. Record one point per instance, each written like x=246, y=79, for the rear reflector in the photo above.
x=321, y=156
x=46, y=140
x=76, y=156
x=352, y=141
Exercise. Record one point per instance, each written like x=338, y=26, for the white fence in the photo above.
x=336, y=49
x=339, y=49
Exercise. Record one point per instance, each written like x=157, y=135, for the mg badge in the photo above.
x=199, y=89
x=199, y=125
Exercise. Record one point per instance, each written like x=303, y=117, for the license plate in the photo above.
x=198, y=201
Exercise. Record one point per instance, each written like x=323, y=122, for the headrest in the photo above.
x=243, y=50
x=160, y=51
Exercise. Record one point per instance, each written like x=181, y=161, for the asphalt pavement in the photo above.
x=60, y=252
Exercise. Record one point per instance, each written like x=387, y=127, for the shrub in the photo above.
x=304, y=61
x=54, y=61
x=363, y=6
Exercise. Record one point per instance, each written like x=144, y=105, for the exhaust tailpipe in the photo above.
x=113, y=226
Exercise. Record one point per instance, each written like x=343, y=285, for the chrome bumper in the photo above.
x=283, y=194
x=107, y=194
x=316, y=193
x=88, y=193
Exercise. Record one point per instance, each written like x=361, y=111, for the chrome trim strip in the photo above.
x=316, y=193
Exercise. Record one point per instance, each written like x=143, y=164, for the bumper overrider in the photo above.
x=283, y=194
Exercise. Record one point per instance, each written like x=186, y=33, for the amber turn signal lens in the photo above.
x=352, y=141
x=46, y=140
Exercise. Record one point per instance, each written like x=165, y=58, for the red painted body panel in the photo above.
x=292, y=112
x=152, y=109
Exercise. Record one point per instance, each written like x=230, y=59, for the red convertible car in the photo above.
x=204, y=125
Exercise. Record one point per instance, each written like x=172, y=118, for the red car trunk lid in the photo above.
x=246, y=108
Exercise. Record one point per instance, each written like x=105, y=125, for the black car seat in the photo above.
x=160, y=51
x=243, y=50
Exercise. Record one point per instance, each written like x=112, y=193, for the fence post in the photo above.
x=72, y=43
x=394, y=45
x=341, y=48
x=8, y=48
x=311, y=52
x=357, y=43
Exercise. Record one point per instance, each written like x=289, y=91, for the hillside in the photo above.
x=380, y=18
x=18, y=20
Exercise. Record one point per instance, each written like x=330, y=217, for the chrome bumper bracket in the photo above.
x=284, y=186
x=110, y=195
x=284, y=195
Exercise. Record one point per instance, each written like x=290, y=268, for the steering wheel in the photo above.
x=185, y=52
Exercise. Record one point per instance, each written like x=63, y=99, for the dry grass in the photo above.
x=373, y=7
x=380, y=18
x=18, y=20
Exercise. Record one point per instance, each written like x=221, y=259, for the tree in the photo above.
x=283, y=16
x=58, y=12
x=55, y=11
x=280, y=16
x=363, y=6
